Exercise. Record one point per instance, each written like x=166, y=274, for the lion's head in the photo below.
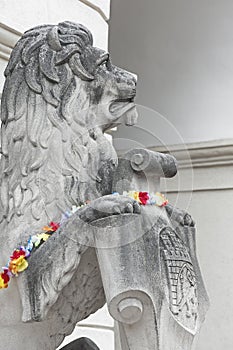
x=60, y=95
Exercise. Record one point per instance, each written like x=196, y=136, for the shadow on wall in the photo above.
x=81, y=344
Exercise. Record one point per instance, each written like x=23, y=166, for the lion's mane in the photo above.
x=47, y=129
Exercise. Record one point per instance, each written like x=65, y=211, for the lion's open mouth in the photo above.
x=125, y=108
x=121, y=106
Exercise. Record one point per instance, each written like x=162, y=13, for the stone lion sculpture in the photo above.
x=60, y=95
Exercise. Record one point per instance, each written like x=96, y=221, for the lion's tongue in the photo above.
x=131, y=116
x=117, y=106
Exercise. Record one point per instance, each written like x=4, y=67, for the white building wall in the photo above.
x=182, y=52
x=18, y=16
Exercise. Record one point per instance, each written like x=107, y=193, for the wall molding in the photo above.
x=201, y=154
x=8, y=38
x=202, y=166
x=95, y=8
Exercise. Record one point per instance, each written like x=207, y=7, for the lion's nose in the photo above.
x=131, y=78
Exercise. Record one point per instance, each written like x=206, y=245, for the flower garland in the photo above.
x=18, y=260
x=145, y=198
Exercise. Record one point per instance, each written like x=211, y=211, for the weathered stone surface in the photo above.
x=60, y=95
x=143, y=168
x=157, y=294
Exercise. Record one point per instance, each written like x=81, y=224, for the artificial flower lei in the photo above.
x=145, y=198
x=18, y=260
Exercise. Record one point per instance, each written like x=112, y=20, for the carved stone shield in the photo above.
x=181, y=280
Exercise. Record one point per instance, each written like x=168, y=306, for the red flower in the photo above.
x=164, y=203
x=5, y=277
x=54, y=225
x=17, y=253
x=143, y=197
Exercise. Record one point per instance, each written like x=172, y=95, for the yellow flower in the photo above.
x=18, y=265
x=41, y=237
x=132, y=194
x=136, y=196
x=2, y=283
x=129, y=194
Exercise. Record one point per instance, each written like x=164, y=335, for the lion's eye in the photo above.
x=104, y=61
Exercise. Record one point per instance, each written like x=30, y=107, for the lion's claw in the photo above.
x=180, y=216
x=129, y=208
x=116, y=210
x=137, y=208
x=107, y=206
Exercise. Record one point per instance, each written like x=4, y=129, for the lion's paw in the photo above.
x=180, y=216
x=107, y=206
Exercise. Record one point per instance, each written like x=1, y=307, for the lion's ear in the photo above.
x=78, y=69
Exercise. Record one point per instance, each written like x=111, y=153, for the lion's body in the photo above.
x=59, y=98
